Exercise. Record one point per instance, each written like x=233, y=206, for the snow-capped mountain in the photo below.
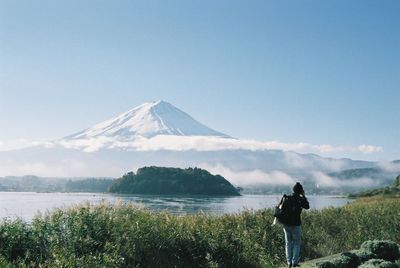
x=148, y=120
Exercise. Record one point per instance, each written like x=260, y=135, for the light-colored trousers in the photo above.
x=293, y=243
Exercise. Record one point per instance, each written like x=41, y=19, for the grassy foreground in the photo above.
x=126, y=236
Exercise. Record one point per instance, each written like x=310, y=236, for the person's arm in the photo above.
x=304, y=201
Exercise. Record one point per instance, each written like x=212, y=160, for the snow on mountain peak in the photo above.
x=148, y=120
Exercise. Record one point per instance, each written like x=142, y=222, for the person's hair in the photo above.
x=298, y=188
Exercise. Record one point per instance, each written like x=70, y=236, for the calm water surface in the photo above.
x=26, y=205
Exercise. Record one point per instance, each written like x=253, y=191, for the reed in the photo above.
x=123, y=235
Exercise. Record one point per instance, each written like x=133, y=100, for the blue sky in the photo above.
x=320, y=72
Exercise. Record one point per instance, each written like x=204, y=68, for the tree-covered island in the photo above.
x=173, y=181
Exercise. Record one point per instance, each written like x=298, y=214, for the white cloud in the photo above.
x=297, y=161
x=258, y=177
x=87, y=145
x=21, y=143
x=212, y=144
x=390, y=167
x=367, y=149
x=323, y=180
x=37, y=168
x=61, y=168
x=186, y=143
x=250, y=177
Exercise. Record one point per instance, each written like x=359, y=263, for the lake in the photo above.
x=26, y=204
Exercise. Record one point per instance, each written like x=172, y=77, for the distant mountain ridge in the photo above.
x=391, y=190
x=30, y=183
x=371, y=172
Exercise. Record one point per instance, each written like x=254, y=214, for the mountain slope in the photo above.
x=148, y=120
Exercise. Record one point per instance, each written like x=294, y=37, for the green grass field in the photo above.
x=126, y=236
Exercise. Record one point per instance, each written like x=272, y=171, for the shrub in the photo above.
x=378, y=263
x=346, y=260
x=349, y=260
x=384, y=249
x=326, y=264
x=364, y=255
x=397, y=182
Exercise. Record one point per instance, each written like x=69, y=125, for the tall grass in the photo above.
x=122, y=235
x=334, y=230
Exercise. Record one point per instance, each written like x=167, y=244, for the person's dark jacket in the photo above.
x=296, y=203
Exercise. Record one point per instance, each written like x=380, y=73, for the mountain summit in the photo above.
x=148, y=120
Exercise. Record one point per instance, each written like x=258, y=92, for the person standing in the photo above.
x=293, y=205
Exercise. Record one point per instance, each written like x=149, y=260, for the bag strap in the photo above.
x=282, y=199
